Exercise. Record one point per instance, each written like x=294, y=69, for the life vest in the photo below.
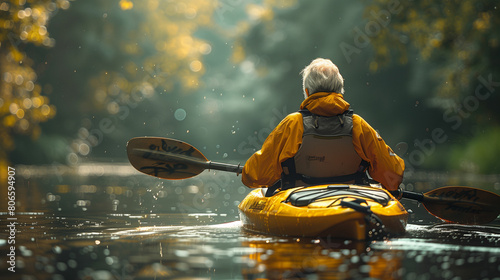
x=326, y=155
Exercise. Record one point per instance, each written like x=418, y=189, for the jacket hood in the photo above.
x=325, y=104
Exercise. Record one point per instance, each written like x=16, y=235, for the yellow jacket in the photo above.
x=263, y=168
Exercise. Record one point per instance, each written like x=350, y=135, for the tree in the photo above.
x=121, y=68
x=460, y=41
x=23, y=103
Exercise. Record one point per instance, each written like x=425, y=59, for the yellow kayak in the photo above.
x=337, y=211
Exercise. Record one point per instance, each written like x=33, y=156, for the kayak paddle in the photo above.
x=464, y=205
x=173, y=159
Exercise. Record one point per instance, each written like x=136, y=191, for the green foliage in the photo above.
x=461, y=37
x=479, y=155
x=460, y=41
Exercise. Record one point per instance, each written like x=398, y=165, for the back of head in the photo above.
x=322, y=76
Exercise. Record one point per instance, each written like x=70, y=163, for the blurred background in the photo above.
x=78, y=79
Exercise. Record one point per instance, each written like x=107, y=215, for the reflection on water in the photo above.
x=319, y=258
x=103, y=226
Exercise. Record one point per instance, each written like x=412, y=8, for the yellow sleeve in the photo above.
x=263, y=168
x=385, y=166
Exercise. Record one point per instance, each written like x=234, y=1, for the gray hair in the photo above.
x=322, y=76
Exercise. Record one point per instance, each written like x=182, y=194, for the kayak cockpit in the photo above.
x=338, y=211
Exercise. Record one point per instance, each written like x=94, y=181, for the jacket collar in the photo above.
x=325, y=104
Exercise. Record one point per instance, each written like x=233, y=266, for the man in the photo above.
x=324, y=142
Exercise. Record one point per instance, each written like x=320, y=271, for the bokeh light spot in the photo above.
x=180, y=114
x=195, y=66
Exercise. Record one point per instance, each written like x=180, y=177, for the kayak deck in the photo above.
x=337, y=211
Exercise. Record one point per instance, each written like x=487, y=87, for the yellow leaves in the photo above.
x=205, y=48
x=22, y=107
x=37, y=101
x=126, y=5
x=257, y=12
x=4, y=6
x=24, y=113
x=9, y=121
x=63, y=4
x=20, y=113
x=189, y=11
x=463, y=54
x=196, y=66
x=432, y=26
x=439, y=24
x=177, y=53
x=131, y=48
x=483, y=23
x=15, y=54
x=171, y=28
x=238, y=53
x=435, y=43
x=282, y=4
x=47, y=110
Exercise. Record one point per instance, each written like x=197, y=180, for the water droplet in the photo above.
x=57, y=249
x=180, y=114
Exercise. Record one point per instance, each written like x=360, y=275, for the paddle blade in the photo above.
x=165, y=158
x=464, y=205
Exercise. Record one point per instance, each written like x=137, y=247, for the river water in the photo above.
x=110, y=222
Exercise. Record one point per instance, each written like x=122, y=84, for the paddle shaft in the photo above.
x=413, y=196
x=225, y=167
x=166, y=156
